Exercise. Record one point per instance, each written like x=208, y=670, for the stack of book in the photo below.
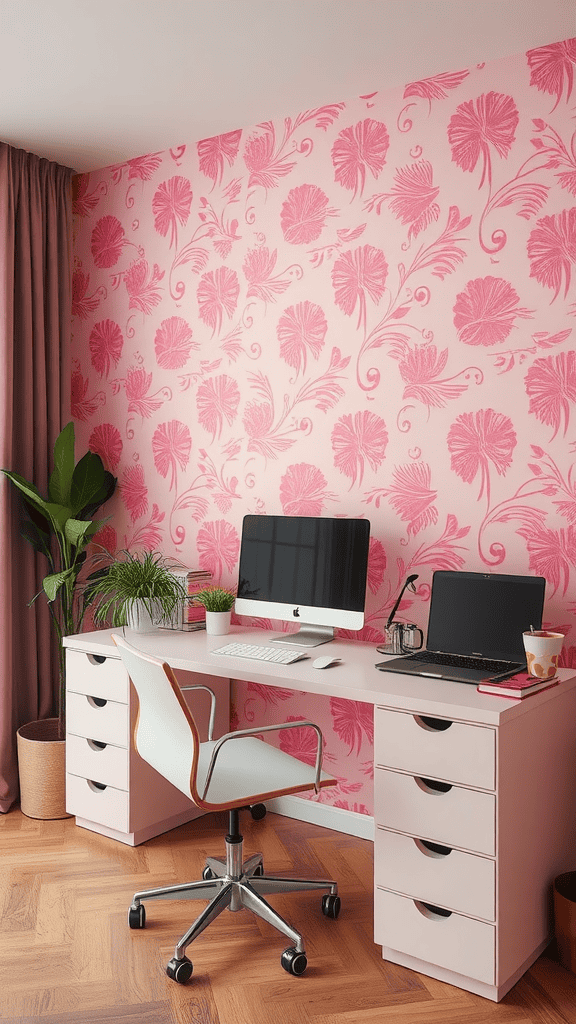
x=190, y=616
x=516, y=687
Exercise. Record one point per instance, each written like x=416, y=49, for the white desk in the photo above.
x=474, y=796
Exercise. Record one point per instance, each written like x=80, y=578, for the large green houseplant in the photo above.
x=60, y=526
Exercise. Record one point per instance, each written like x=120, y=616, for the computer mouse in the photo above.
x=325, y=662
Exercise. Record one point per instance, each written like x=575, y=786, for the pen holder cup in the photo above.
x=402, y=638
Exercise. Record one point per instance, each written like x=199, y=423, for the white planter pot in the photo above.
x=139, y=618
x=217, y=623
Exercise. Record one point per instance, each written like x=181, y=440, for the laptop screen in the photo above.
x=483, y=614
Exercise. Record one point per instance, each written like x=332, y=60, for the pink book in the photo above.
x=516, y=687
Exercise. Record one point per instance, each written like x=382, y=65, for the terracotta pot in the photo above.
x=42, y=770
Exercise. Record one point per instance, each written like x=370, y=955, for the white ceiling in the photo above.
x=93, y=82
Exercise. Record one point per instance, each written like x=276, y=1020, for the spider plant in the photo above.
x=130, y=578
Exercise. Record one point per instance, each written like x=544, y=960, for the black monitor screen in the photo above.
x=300, y=560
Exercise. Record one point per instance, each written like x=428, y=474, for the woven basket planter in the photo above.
x=42, y=770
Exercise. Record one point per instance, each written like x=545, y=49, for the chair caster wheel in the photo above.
x=207, y=874
x=258, y=811
x=293, y=962
x=179, y=970
x=331, y=905
x=137, y=916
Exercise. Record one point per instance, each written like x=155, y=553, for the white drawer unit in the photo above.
x=454, y=751
x=452, y=941
x=440, y=874
x=108, y=787
x=440, y=811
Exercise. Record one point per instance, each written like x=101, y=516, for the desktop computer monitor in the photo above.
x=307, y=570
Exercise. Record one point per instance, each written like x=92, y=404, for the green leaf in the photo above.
x=75, y=531
x=61, y=478
x=31, y=492
x=54, y=582
x=105, y=492
x=87, y=480
x=59, y=516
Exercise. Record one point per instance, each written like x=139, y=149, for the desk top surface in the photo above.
x=355, y=678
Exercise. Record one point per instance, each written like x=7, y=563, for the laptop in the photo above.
x=475, y=627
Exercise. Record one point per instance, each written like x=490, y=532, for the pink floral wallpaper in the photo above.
x=362, y=309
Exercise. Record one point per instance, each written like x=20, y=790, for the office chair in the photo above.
x=233, y=772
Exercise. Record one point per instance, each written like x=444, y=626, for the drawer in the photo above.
x=437, y=747
x=101, y=762
x=456, y=943
x=457, y=817
x=107, y=722
x=107, y=678
x=441, y=875
x=107, y=806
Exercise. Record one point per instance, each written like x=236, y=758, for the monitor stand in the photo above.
x=307, y=636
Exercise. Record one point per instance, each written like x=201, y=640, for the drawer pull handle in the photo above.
x=432, y=786
x=97, y=702
x=432, y=912
x=432, y=849
x=96, y=659
x=96, y=787
x=432, y=724
x=96, y=745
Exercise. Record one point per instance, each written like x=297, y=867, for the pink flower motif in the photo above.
x=352, y=720
x=142, y=285
x=134, y=491
x=356, y=439
x=357, y=148
x=171, y=205
x=106, y=538
x=81, y=407
x=485, y=311
x=376, y=565
x=490, y=120
x=218, y=545
x=551, y=66
x=217, y=400
x=300, y=743
x=82, y=304
x=551, y=387
x=303, y=491
x=106, y=442
x=171, y=445
x=358, y=272
x=173, y=343
x=413, y=197
x=83, y=202
x=137, y=385
x=412, y=497
x=107, y=241
x=259, y=159
x=106, y=343
x=218, y=292
x=258, y=268
x=552, y=250
x=212, y=153
x=552, y=553
x=475, y=440
x=300, y=328
x=303, y=214
x=143, y=167
x=258, y=419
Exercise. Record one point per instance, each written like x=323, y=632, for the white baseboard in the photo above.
x=350, y=822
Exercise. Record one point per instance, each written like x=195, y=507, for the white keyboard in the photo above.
x=273, y=654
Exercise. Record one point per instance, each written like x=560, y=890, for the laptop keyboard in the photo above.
x=463, y=661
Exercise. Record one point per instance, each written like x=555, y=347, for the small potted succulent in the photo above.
x=218, y=602
x=135, y=590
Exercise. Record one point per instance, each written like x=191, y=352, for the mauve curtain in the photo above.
x=35, y=317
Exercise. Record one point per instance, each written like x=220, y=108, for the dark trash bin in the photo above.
x=565, y=918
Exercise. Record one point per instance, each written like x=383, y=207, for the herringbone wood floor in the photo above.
x=67, y=955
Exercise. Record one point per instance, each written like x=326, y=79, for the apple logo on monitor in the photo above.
x=296, y=613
